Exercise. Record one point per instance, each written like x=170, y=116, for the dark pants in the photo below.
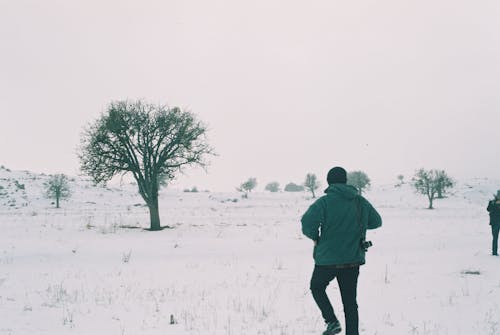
x=347, y=279
x=495, y=228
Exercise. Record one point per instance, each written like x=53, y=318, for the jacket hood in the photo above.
x=344, y=190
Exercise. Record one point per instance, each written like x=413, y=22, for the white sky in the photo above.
x=286, y=87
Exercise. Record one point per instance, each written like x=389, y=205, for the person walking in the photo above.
x=494, y=209
x=337, y=223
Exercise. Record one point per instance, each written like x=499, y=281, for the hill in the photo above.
x=235, y=266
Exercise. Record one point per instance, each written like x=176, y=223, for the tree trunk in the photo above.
x=151, y=199
x=152, y=202
x=430, y=203
x=58, y=195
x=314, y=195
x=154, y=215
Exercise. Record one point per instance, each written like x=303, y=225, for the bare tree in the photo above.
x=152, y=142
x=359, y=180
x=428, y=182
x=57, y=188
x=311, y=183
x=247, y=186
x=273, y=186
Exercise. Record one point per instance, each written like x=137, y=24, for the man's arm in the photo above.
x=490, y=206
x=311, y=221
x=374, y=219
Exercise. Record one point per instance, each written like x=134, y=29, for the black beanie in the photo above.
x=336, y=175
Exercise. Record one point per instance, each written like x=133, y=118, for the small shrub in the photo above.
x=126, y=257
x=273, y=186
x=471, y=272
x=400, y=181
x=19, y=185
x=292, y=187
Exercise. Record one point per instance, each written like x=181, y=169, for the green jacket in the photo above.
x=494, y=209
x=338, y=222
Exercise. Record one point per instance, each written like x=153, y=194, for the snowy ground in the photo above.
x=239, y=267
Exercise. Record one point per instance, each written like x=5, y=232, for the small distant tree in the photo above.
x=400, y=180
x=359, y=180
x=444, y=182
x=273, y=187
x=151, y=142
x=311, y=183
x=292, y=187
x=427, y=182
x=247, y=186
x=57, y=188
x=194, y=189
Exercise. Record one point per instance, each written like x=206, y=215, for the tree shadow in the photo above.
x=129, y=227
x=161, y=228
x=141, y=228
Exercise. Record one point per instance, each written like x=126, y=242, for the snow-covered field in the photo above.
x=233, y=267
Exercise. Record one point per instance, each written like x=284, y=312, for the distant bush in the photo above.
x=273, y=186
x=292, y=187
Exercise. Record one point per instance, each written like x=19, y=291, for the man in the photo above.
x=494, y=209
x=337, y=224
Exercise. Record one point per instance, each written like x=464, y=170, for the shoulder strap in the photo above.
x=359, y=217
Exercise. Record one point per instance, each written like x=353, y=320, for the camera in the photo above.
x=365, y=244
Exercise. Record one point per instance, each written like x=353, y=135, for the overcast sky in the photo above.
x=287, y=87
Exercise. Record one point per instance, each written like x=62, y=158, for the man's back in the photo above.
x=338, y=222
x=494, y=209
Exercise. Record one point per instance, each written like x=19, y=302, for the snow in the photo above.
x=240, y=266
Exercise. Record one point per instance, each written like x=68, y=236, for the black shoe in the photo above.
x=332, y=328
